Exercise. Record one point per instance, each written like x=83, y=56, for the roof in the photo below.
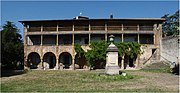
x=124, y=19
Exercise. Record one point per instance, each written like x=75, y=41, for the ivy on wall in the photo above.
x=98, y=51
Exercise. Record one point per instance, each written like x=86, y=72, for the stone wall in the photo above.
x=169, y=49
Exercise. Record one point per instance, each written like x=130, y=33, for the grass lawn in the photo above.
x=86, y=81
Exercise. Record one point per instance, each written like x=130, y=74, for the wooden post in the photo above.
x=138, y=32
x=122, y=33
x=89, y=34
x=106, y=31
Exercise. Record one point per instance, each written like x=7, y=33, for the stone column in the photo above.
x=26, y=66
x=42, y=63
x=73, y=51
x=57, y=63
x=159, y=38
x=122, y=62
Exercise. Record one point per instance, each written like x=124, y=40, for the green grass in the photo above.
x=159, y=67
x=72, y=81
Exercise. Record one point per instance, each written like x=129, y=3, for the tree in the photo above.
x=12, y=46
x=171, y=25
x=97, y=53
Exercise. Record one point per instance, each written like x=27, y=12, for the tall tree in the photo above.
x=171, y=25
x=12, y=46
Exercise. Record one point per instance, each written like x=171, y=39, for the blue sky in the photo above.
x=43, y=10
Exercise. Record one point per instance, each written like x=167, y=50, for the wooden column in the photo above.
x=138, y=32
x=89, y=33
x=122, y=33
x=106, y=31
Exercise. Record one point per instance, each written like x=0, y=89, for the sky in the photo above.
x=15, y=11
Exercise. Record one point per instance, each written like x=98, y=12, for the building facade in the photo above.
x=49, y=44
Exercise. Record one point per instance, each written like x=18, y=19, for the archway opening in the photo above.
x=129, y=62
x=65, y=59
x=33, y=60
x=49, y=60
x=81, y=62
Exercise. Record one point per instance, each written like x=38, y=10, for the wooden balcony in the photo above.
x=67, y=28
x=81, y=28
x=34, y=29
x=92, y=28
x=97, y=28
x=130, y=28
x=114, y=28
x=146, y=28
x=49, y=29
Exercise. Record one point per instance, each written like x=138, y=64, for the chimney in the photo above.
x=111, y=16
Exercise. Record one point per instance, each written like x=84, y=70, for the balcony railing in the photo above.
x=146, y=28
x=81, y=28
x=92, y=28
x=67, y=28
x=114, y=28
x=98, y=28
x=49, y=28
x=34, y=29
x=130, y=28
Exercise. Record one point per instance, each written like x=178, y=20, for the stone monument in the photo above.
x=112, y=58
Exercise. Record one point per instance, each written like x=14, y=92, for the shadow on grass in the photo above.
x=8, y=73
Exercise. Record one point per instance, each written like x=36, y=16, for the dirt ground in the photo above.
x=148, y=80
x=162, y=80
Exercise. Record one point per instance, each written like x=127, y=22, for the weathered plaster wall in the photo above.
x=169, y=49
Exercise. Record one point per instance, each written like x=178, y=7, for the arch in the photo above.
x=33, y=60
x=66, y=59
x=49, y=60
x=80, y=61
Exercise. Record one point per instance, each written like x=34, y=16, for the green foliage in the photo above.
x=12, y=46
x=131, y=49
x=80, y=52
x=171, y=25
x=97, y=52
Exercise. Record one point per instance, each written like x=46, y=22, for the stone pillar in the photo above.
x=41, y=63
x=122, y=62
x=26, y=66
x=137, y=62
x=112, y=59
x=57, y=63
x=159, y=38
